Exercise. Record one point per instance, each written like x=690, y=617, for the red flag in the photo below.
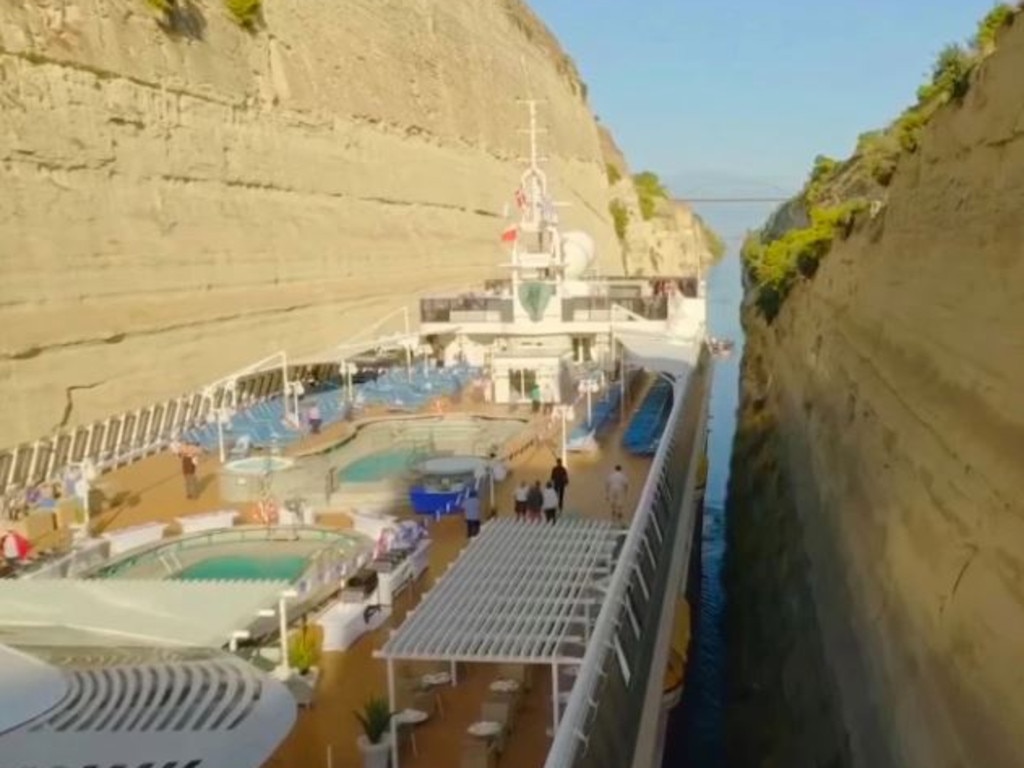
x=510, y=235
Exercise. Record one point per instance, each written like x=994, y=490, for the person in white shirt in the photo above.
x=12, y=553
x=522, y=491
x=616, y=488
x=550, y=503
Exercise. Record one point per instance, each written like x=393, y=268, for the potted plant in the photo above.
x=302, y=653
x=375, y=741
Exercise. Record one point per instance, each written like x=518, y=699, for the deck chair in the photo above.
x=412, y=695
x=242, y=447
x=477, y=753
x=518, y=672
x=498, y=712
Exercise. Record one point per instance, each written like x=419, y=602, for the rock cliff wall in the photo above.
x=178, y=203
x=674, y=241
x=884, y=433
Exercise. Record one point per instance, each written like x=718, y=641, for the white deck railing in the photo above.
x=570, y=741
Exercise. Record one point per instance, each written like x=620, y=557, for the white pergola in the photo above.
x=519, y=593
x=167, y=612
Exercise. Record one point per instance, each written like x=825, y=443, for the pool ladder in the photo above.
x=171, y=562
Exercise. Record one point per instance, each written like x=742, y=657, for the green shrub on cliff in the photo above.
x=649, y=190
x=620, y=218
x=245, y=12
x=988, y=29
x=716, y=246
x=778, y=265
x=163, y=6
x=614, y=174
x=879, y=152
x=823, y=173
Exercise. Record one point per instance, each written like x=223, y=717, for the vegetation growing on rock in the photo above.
x=776, y=258
x=245, y=12
x=649, y=191
x=716, y=246
x=620, y=218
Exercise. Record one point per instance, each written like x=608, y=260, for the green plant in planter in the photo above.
x=302, y=652
x=375, y=719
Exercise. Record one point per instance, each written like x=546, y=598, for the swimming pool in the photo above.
x=386, y=450
x=258, y=465
x=378, y=466
x=245, y=568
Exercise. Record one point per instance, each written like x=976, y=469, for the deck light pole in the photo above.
x=223, y=416
x=589, y=387
x=350, y=369
x=565, y=413
x=284, y=670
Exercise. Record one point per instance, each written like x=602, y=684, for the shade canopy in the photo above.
x=516, y=594
x=198, y=613
x=657, y=351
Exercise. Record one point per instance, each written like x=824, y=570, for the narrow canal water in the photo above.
x=696, y=730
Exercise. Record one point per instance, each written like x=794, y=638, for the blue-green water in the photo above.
x=245, y=568
x=696, y=731
x=377, y=466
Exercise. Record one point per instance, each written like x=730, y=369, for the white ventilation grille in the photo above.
x=185, y=697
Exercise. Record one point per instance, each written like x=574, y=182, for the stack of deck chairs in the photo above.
x=647, y=426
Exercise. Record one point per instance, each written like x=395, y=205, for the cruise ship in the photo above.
x=324, y=566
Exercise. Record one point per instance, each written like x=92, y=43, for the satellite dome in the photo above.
x=578, y=250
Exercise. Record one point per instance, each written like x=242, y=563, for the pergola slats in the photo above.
x=514, y=594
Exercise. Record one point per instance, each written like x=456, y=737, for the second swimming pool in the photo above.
x=245, y=568
x=378, y=466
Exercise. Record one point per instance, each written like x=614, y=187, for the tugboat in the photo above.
x=720, y=347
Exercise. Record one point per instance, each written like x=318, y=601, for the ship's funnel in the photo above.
x=578, y=250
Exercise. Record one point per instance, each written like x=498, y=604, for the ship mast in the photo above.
x=538, y=248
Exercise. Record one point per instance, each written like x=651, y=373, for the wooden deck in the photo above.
x=152, y=490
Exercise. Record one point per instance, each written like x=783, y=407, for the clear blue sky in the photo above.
x=710, y=93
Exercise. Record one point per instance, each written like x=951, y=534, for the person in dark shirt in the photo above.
x=534, y=502
x=559, y=480
x=188, y=471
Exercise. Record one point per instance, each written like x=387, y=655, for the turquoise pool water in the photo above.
x=258, y=465
x=378, y=466
x=245, y=568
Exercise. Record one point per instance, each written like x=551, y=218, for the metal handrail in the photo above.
x=572, y=724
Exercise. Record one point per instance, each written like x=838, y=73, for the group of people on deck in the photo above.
x=546, y=501
x=532, y=501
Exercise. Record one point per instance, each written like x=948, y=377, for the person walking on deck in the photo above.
x=314, y=419
x=559, y=480
x=616, y=487
x=550, y=503
x=519, y=499
x=188, y=471
x=471, y=511
x=534, y=502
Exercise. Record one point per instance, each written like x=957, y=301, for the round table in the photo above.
x=435, y=679
x=505, y=686
x=484, y=729
x=411, y=717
